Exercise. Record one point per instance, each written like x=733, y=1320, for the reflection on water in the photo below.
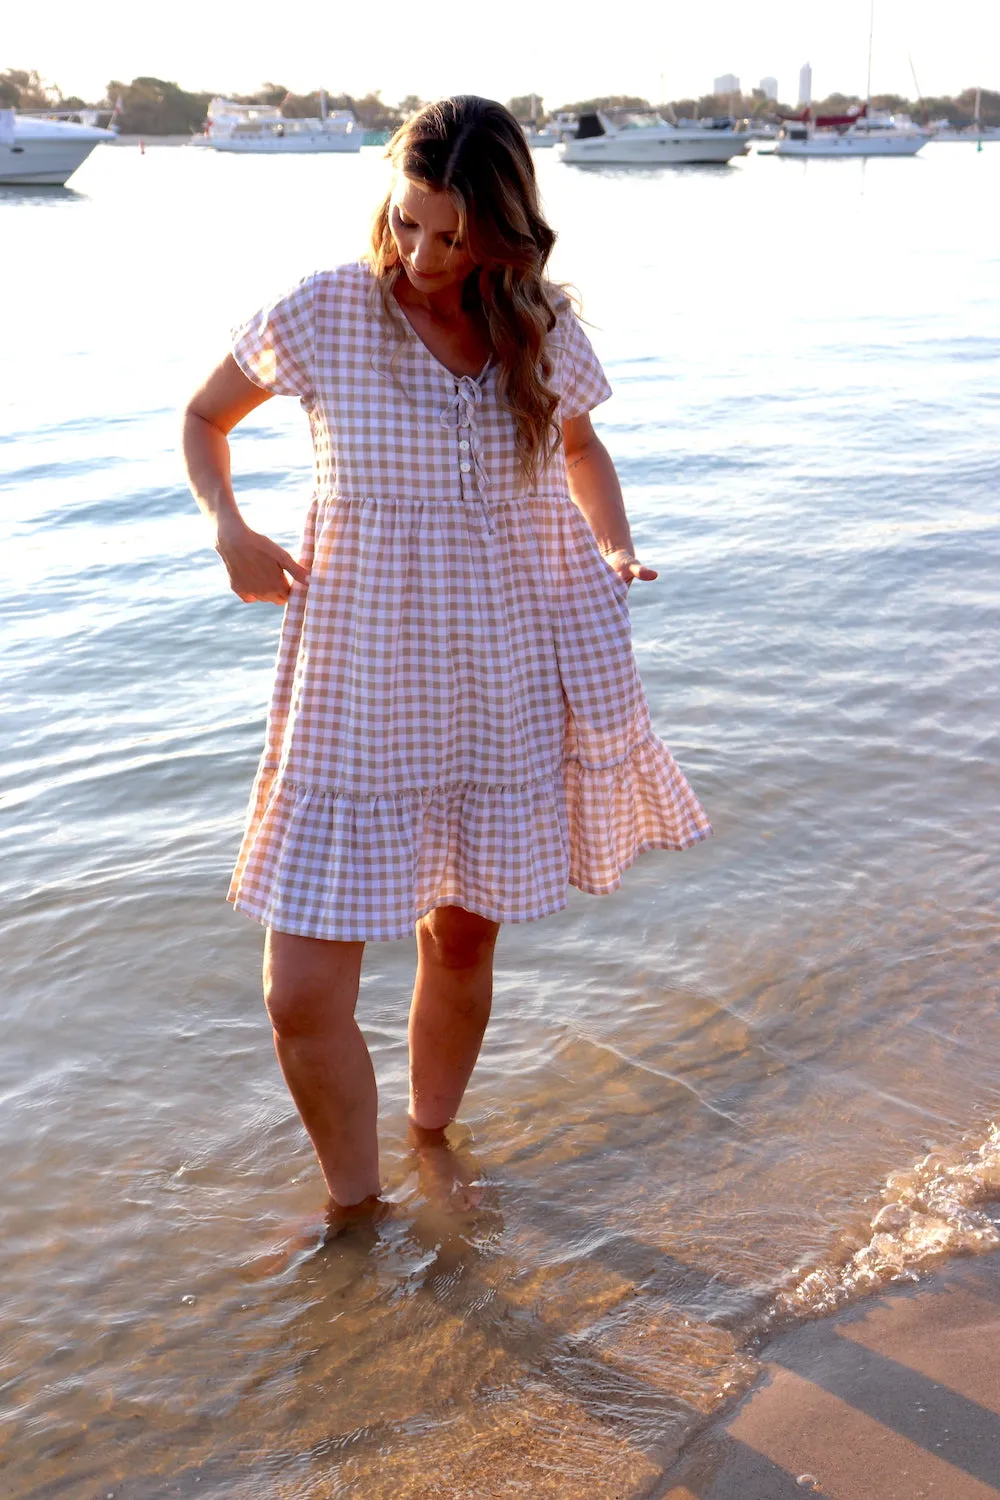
x=40, y=196
x=758, y=1081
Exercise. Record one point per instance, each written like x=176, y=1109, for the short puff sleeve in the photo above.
x=275, y=348
x=579, y=378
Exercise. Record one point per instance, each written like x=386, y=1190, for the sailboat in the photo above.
x=863, y=133
x=860, y=132
x=977, y=132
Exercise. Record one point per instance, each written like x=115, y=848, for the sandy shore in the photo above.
x=895, y=1399
x=151, y=140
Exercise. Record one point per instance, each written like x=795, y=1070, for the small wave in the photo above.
x=937, y=1208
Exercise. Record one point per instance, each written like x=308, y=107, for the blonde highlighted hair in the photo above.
x=474, y=150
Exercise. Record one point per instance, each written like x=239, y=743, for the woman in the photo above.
x=457, y=729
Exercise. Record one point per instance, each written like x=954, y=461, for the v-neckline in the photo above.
x=476, y=379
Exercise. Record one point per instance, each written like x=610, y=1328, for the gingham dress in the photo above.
x=457, y=718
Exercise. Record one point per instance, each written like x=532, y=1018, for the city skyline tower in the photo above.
x=806, y=84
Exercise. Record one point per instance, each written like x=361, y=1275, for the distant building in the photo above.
x=769, y=88
x=806, y=84
x=727, y=84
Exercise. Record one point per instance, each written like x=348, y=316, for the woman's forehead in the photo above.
x=433, y=209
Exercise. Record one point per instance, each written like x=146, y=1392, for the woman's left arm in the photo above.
x=597, y=494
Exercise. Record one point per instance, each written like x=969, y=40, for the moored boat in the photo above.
x=975, y=132
x=541, y=137
x=859, y=133
x=45, y=150
x=943, y=131
x=263, y=128
x=638, y=141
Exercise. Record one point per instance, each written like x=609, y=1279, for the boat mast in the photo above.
x=871, y=34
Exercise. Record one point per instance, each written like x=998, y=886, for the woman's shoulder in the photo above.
x=565, y=304
x=342, y=296
x=563, y=299
x=351, y=279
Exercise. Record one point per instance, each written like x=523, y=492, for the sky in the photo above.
x=660, y=49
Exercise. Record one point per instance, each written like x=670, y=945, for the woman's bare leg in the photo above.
x=451, y=1005
x=311, y=990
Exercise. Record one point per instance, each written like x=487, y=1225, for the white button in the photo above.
x=464, y=445
x=465, y=468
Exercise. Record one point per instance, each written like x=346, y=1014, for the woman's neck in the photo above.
x=444, y=306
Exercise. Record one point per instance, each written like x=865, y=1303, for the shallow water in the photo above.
x=695, y=1096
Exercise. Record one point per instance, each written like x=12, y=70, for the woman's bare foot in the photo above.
x=341, y=1218
x=447, y=1176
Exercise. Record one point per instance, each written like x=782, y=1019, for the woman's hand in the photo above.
x=257, y=567
x=627, y=566
x=596, y=492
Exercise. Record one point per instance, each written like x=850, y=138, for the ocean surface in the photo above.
x=759, y=1081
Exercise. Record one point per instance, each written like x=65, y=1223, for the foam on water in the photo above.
x=947, y=1204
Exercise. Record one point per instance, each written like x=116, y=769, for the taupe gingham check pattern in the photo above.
x=456, y=718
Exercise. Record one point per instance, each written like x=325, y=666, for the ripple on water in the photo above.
x=696, y=1102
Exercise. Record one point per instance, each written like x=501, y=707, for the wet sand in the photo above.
x=897, y=1398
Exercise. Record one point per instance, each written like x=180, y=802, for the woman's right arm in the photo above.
x=258, y=568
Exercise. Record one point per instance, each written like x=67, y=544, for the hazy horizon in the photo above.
x=655, y=51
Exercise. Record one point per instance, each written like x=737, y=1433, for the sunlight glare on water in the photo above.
x=695, y=1096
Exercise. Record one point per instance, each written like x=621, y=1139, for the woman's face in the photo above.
x=424, y=224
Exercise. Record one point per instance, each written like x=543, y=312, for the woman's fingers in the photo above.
x=286, y=561
x=258, y=580
x=257, y=567
x=628, y=567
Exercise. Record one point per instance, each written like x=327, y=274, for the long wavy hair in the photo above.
x=474, y=150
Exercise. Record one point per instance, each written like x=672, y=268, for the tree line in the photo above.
x=154, y=106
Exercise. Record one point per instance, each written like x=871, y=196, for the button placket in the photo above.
x=467, y=397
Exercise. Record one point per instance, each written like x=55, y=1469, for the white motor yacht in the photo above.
x=263, y=128
x=45, y=150
x=857, y=134
x=651, y=141
x=540, y=137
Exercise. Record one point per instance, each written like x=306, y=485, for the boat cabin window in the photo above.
x=588, y=127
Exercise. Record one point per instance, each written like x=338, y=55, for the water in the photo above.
x=696, y=1096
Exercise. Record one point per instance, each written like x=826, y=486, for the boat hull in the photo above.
x=287, y=145
x=956, y=139
x=650, y=148
x=845, y=145
x=45, y=163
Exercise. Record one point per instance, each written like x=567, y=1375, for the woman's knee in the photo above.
x=309, y=987
x=294, y=1009
x=455, y=938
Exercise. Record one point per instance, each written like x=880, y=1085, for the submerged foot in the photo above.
x=344, y=1219
x=447, y=1176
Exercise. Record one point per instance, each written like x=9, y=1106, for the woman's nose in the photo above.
x=423, y=255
